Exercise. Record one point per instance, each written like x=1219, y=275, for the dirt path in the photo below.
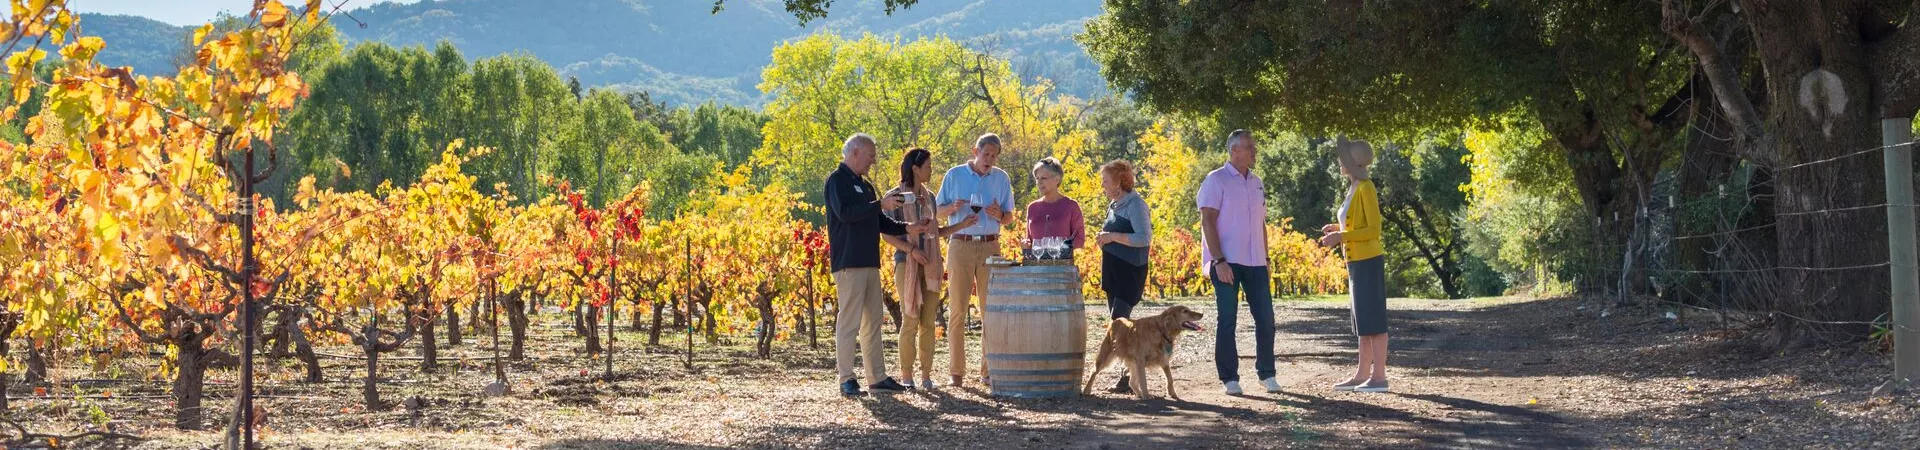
x=1467, y=374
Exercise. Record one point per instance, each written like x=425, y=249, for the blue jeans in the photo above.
x=1226, y=354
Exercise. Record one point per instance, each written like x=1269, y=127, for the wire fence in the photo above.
x=1716, y=249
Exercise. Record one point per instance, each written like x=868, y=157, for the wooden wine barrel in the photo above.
x=1035, y=331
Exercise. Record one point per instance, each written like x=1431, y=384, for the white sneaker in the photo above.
x=1233, y=387
x=1372, y=386
x=927, y=383
x=1272, y=384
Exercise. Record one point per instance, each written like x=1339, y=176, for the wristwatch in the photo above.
x=1219, y=261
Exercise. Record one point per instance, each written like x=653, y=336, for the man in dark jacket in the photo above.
x=854, y=224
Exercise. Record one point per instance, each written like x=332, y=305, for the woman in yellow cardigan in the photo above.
x=1358, y=234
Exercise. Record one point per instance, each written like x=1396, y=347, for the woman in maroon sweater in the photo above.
x=1054, y=215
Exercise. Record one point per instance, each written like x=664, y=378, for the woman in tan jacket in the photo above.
x=917, y=266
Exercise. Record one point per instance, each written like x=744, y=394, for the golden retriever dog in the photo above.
x=1144, y=343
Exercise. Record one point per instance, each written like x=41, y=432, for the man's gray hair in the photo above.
x=985, y=139
x=1239, y=135
x=854, y=142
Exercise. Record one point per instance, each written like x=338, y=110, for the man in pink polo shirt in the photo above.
x=1233, y=222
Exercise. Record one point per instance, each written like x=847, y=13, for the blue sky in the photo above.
x=189, y=12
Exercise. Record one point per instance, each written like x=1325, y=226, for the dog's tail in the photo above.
x=1106, y=347
x=1105, y=358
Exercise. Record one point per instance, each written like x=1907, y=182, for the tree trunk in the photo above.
x=613, y=314
x=708, y=321
x=453, y=326
x=579, y=319
x=8, y=328
x=766, y=331
x=282, y=332
x=303, y=349
x=682, y=313
x=592, y=316
x=36, y=364
x=189, y=380
x=1598, y=179
x=653, y=335
x=638, y=320
x=370, y=385
x=8, y=322
x=517, y=322
x=1816, y=70
x=813, y=314
x=893, y=309
x=429, y=353
x=476, y=320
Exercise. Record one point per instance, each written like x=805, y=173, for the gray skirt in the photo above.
x=1367, y=280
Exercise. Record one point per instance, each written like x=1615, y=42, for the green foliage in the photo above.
x=605, y=150
x=730, y=133
x=1524, y=221
x=1378, y=69
x=1421, y=201
x=1301, y=178
x=379, y=111
x=1118, y=123
x=523, y=110
x=929, y=93
x=378, y=116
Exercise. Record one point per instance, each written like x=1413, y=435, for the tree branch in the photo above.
x=31, y=439
x=138, y=332
x=1721, y=73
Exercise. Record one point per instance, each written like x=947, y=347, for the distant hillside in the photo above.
x=677, y=49
x=150, y=46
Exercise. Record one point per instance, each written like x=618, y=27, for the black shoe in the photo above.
x=888, y=385
x=1123, y=387
x=851, y=388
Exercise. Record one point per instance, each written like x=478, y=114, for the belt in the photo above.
x=973, y=238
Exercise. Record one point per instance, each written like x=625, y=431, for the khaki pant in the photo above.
x=916, y=336
x=860, y=311
x=967, y=273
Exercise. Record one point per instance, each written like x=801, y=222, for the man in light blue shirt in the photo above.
x=974, y=188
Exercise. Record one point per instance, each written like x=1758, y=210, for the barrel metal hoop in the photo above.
x=997, y=384
x=1059, y=307
x=1035, y=356
x=1035, y=394
x=1032, y=292
x=1034, y=280
x=997, y=373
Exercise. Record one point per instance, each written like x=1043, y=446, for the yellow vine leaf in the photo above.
x=273, y=14
x=200, y=34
